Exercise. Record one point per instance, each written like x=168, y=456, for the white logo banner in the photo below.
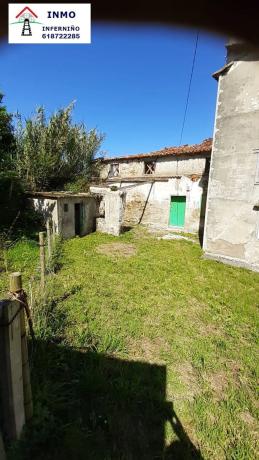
x=49, y=23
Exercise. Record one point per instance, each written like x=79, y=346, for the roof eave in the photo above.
x=222, y=70
x=148, y=156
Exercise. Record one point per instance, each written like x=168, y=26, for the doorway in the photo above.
x=78, y=218
x=177, y=211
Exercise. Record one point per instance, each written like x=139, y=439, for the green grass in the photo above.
x=149, y=356
x=22, y=256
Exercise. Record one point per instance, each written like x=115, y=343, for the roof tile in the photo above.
x=195, y=149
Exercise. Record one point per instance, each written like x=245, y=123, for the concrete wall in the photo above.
x=67, y=219
x=49, y=210
x=114, y=206
x=232, y=219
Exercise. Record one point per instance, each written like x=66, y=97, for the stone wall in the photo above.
x=172, y=166
x=148, y=198
x=149, y=203
x=232, y=220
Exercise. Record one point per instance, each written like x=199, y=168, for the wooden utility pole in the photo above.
x=42, y=259
x=16, y=290
x=11, y=372
x=15, y=385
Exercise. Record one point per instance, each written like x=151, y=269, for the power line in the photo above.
x=189, y=87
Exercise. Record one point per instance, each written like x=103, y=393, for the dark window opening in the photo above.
x=65, y=207
x=207, y=166
x=114, y=170
x=150, y=167
x=100, y=208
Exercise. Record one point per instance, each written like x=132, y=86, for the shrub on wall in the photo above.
x=17, y=214
x=12, y=199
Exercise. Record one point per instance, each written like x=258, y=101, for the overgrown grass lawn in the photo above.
x=153, y=355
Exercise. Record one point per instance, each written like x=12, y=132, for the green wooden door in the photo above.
x=177, y=211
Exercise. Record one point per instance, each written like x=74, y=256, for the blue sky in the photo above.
x=131, y=83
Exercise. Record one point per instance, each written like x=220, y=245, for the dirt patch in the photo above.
x=248, y=419
x=209, y=330
x=149, y=349
x=236, y=374
x=189, y=378
x=218, y=383
x=251, y=423
x=117, y=249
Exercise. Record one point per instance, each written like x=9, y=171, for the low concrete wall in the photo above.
x=114, y=212
x=114, y=207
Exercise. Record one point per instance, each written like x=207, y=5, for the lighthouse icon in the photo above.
x=27, y=16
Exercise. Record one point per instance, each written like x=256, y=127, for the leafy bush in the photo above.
x=7, y=139
x=79, y=185
x=18, y=217
x=52, y=152
x=12, y=199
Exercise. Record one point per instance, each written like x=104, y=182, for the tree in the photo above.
x=51, y=153
x=7, y=140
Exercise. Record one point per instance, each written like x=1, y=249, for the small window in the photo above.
x=256, y=151
x=114, y=170
x=150, y=167
x=65, y=207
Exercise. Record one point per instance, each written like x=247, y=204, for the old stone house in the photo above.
x=232, y=217
x=164, y=189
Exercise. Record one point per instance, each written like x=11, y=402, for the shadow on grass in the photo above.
x=126, y=229
x=91, y=406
